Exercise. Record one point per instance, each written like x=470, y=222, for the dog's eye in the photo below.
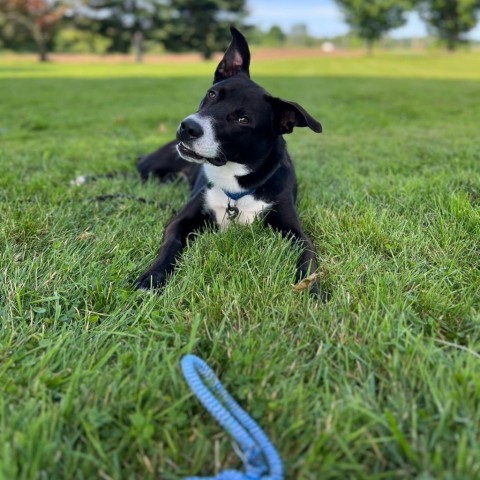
x=244, y=120
x=211, y=94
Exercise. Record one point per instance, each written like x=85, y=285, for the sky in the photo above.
x=323, y=18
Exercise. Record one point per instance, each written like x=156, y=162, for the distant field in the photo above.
x=383, y=382
x=289, y=62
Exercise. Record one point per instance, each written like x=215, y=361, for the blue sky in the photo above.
x=323, y=18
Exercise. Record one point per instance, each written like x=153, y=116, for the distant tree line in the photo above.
x=449, y=20
x=122, y=26
x=119, y=25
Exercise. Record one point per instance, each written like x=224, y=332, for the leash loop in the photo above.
x=260, y=458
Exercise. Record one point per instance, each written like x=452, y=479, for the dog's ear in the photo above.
x=289, y=115
x=235, y=60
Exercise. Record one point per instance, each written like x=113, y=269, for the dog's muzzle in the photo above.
x=196, y=141
x=189, y=131
x=188, y=153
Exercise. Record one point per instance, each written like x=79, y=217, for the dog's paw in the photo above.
x=151, y=281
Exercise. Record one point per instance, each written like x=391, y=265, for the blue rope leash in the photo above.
x=258, y=454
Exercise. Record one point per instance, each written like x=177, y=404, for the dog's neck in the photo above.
x=226, y=176
x=265, y=169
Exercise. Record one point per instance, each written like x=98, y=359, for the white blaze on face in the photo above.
x=207, y=145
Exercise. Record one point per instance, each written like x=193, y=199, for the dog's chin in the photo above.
x=191, y=156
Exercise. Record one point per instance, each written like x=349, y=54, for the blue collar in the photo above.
x=232, y=195
x=239, y=195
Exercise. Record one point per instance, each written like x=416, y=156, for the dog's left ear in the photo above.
x=235, y=60
x=290, y=114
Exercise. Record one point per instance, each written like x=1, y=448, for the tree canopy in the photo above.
x=33, y=21
x=372, y=19
x=450, y=19
x=201, y=25
x=126, y=23
x=178, y=25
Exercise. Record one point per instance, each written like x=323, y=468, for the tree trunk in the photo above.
x=91, y=42
x=369, y=42
x=207, y=54
x=41, y=44
x=452, y=41
x=138, y=46
x=42, y=52
x=36, y=32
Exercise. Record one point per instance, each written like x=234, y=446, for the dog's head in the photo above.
x=237, y=119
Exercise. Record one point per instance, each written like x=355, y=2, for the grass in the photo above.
x=383, y=382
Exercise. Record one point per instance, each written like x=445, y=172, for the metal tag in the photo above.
x=232, y=212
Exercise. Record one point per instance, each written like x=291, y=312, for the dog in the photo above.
x=234, y=156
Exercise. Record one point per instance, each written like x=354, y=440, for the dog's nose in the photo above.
x=190, y=130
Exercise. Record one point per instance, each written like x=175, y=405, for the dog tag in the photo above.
x=232, y=212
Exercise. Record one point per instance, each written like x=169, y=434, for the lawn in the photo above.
x=383, y=382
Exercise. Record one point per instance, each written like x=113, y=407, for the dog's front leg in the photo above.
x=188, y=220
x=284, y=218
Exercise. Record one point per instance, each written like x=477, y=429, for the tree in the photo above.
x=126, y=23
x=180, y=25
x=37, y=20
x=450, y=19
x=371, y=19
x=201, y=25
x=274, y=37
x=299, y=35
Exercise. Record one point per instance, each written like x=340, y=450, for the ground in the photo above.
x=383, y=382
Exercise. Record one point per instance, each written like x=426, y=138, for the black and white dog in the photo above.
x=235, y=158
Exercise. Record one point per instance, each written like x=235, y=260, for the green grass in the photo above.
x=383, y=382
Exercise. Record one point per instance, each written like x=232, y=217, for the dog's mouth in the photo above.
x=191, y=156
x=188, y=153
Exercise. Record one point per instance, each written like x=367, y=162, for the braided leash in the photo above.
x=260, y=458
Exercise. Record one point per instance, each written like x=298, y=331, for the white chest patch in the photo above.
x=224, y=178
